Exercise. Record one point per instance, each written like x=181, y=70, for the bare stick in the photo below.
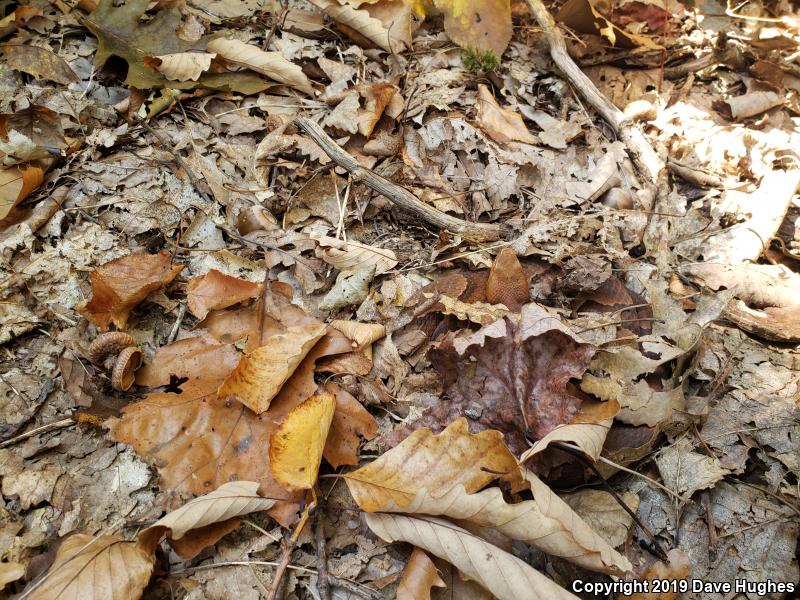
x=323, y=582
x=475, y=232
x=644, y=158
x=288, y=547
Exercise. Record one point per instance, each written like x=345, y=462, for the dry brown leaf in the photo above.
x=118, y=286
x=271, y=64
x=509, y=376
x=439, y=475
x=363, y=335
x=232, y=499
x=601, y=511
x=10, y=572
x=362, y=23
x=295, y=449
x=507, y=283
x=216, y=290
x=476, y=312
x=354, y=256
x=351, y=423
x=260, y=374
x=419, y=576
x=16, y=184
x=501, y=124
x=182, y=66
x=453, y=458
x=41, y=63
x=189, y=357
x=503, y=574
x=97, y=568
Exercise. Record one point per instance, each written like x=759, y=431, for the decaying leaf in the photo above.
x=678, y=569
x=419, y=576
x=16, y=184
x=354, y=256
x=441, y=474
x=686, y=471
x=271, y=64
x=351, y=288
x=39, y=62
x=295, y=449
x=501, y=124
x=511, y=377
x=118, y=286
x=260, y=374
x=503, y=574
x=601, y=511
x=216, y=290
x=97, y=568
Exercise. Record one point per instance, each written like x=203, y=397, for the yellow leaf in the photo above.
x=295, y=450
x=259, y=376
x=480, y=24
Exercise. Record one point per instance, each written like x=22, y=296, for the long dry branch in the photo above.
x=475, y=232
x=644, y=158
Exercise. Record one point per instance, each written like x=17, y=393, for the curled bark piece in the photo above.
x=108, y=344
x=476, y=232
x=124, y=372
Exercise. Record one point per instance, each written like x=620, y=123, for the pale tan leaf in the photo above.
x=601, y=511
x=260, y=374
x=360, y=21
x=9, y=572
x=354, y=256
x=686, y=471
x=427, y=474
x=477, y=312
x=182, y=66
x=295, y=449
x=419, y=576
x=503, y=574
x=271, y=64
x=362, y=334
x=102, y=568
x=231, y=499
x=501, y=124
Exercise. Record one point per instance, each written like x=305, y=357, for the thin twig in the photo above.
x=288, y=548
x=323, y=582
x=23, y=436
x=475, y=232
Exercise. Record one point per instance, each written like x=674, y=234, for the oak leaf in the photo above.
x=119, y=285
x=419, y=576
x=295, y=449
x=216, y=290
x=503, y=574
x=510, y=376
x=260, y=374
x=41, y=63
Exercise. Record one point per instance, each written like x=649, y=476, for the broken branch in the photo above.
x=475, y=232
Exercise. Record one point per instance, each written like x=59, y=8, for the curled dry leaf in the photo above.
x=271, y=64
x=216, y=290
x=118, y=286
x=182, y=66
x=360, y=22
x=510, y=376
x=503, y=574
x=16, y=184
x=476, y=312
x=419, y=576
x=232, y=499
x=354, y=256
x=295, y=449
x=501, y=124
x=678, y=568
x=260, y=374
x=440, y=475
x=363, y=335
x=103, y=568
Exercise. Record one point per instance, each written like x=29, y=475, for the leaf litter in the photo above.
x=532, y=296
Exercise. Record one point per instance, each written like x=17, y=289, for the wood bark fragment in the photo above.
x=475, y=232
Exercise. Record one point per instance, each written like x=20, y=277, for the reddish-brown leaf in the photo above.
x=419, y=576
x=121, y=284
x=510, y=377
x=351, y=423
x=507, y=283
x=215, y=290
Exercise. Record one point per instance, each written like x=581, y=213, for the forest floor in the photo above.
x=344, y=248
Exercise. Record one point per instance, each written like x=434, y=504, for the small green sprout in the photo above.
x=479, y=61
